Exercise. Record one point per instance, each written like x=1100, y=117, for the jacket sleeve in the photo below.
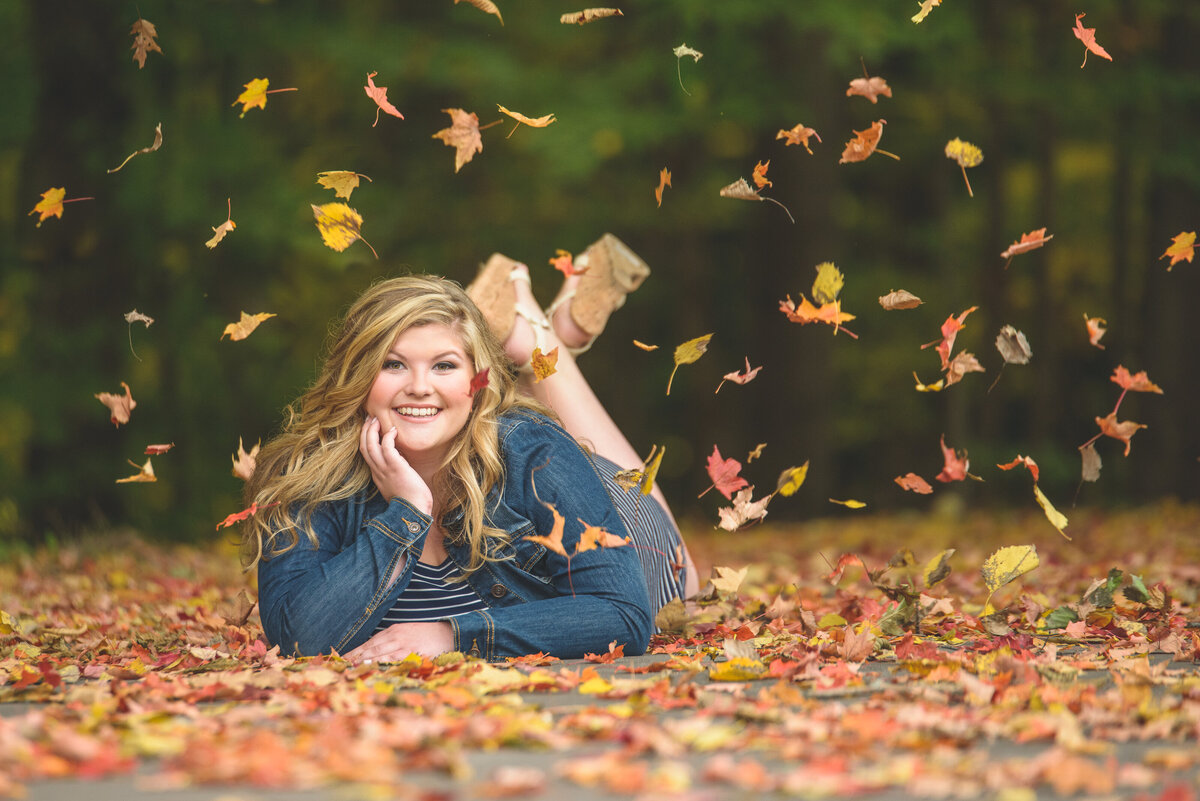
x=312, y=600
x=601, y=593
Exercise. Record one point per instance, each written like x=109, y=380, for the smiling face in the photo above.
x=423, y=389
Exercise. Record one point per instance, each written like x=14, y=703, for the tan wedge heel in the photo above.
x=612, y=272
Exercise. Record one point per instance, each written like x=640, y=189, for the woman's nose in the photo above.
x=418, y=382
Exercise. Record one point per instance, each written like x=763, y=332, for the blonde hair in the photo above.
x=315, y=459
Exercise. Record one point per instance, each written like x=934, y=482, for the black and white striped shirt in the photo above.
x=431, y=596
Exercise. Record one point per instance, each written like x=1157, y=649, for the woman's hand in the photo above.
x=401, y=639
x=393, y=475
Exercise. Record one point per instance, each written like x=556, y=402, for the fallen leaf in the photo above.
x=738, y=670
x=1027, y=242
x=926, y=7
x=864, y=143
x=589, y=15
x=743, y=511
x=543, y=364
x=791, y=479
x=1056, y=518
x=1088, y=37
x=244, y=326
x=1137, y=382
x=342, y=182
x=339, y=226
x=937, y=568
x=224, y=228
x=644, y=346
x=870, y=88
x=158, y=139
x=244, y=462
x=119, y=406
x=479, y=381
x=856, y=646
x=688, y=353
x=1007, y=564
x=1091, y=462
x=798, y=134
x=914, y=483
x=1183, y=248
x=899, y=299
x=145, y=474
x=144, y=33
x=379, y=95
x=664, y=180
x=1111, y=427
x=851, y=503
x=155, y=450
x=724, y=475
x=486, y=6
x=533, y=122
x=726, y=579
x=1095, y=329
x=739, y=378
x=967, y=155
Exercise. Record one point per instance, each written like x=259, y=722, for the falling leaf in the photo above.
x=339, y=226
x=914, y=483
x=870, y=88
x=688, y=353
x=533, y=122
x=543, y=364
x=1022, y=461
x=798, y=135
x=593, y=537
x=1110, y=427
x=342, y=182
x=850, y=504
x=724, y=475
x=243, y=462
x=644, y=346
x=145, y=474
x=926, y=7
x=1091, y=462
x=118, y=405
x=148, y=149
x=1182, y=249
x=740, y=190
x=899, y=299
x=1095, y=329
x=254, y=96
x=245, y=326
x=589, y=15
x=760, y=174
x=956, y=467
x=664, y=180
x=743, y=510
x=245, y=514
x=155, y=450
x=806, y=312
x=564, y=262
x=937, y=568
x=379, y=95
x=554, y=540
x=144, y=33
x=1138, y=382
x=1027, y=242
x=757, y=452
x=224, y=228
x=937, y=386
x=1013, y=346
x=791, y=479
x=462, y=135
x=479, y=381
x=51, y=204
x=1056, y=518
x=642, y=479
x=950, y=330
x=1088, y=37
x=132, y=317
x=1007, y=564
x=967, y=155
x=680, y=52
x=739, y=378
x=828, y=284
x=865, y=143
x=486, y=6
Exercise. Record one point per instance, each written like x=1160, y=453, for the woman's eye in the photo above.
x=392, y=364
x=445, y=366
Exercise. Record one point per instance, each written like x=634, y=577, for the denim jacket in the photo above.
x=333, y=596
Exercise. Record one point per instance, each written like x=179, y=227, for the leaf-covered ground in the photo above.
x=122, y=659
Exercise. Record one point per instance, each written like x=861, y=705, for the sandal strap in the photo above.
x=538, y=323
x=550, y=310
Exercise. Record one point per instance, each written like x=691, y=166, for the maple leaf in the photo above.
x=145, y=474
x=554, y=540
x=255, y=95
x=1110, y=427
x=680, y=52
x=1022, y=461
x=806, y=312
x=857, y=646
x=593, y=537
x=589, y=15
x=724, y=475
x=1138, y=382
x=798, y=135
x=155, y=450
x=739, y=378
x=664, y=180
x=51, y=204
x=119, y=406
x=791, y=480
x=1027, y=242
x=688, y=353
x=869, y=87
x=914, y=483
x=899, y=299
x=479, y=381
x=245, y=514
x=543, y=364
x=486, y=6
x=244, y=462
x=564, y=262
x=244, y=326
x=533, y=122
x=339, y=226
x=965, y=362
x=926, y=7
x=1182, y=249
x=828, y=284
x=224, y=228
x=760, y=175
x=950, y=330
x=967, y=155
x=1088, y=37
x=743, y=510
x=155, y=145
x=144, y=33
x=740, y=190
x=379, y=95
x=956, y=467
x=342, y=182
x=462, y=135
x=726, y=579
x=864, y=143
x=1095, y=329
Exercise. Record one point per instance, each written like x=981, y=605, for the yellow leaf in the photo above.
x=255, y=95
x=651, y=468
x=926, y=7
x=688, y=353
x=831, y=620
x=738, y=669
x=828, y=284
x=852, y=504
x=726, y=579
x=533, y=122
x=342, y=182
x=51, y=204
x=543, y=364
x=1056, y=518
x=791, y=479
x=339, y=226
x=589, y=15
x=965, y=153
x=244, y=326
x=594, y=686
x=145, y=474
x=934, y=387
x=937, y=568
x=1007, y=563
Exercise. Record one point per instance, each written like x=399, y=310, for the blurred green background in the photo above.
x=1105, y=157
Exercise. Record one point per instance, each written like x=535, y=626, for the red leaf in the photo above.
x=154, y=450
x=479, y=381
x=242, y=515
x=1022, y=460
x=379, y=95
x=956, y=466
x=911, y=481
x=724, y=474
x=950, y=330
x=1138, y=382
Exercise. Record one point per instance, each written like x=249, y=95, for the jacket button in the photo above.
x=499, y=590
x=413, y=528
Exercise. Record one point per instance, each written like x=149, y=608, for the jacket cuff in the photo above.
x=402, y=523
x=474, y=634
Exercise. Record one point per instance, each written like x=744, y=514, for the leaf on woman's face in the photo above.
x=462, y=135
x=379, y=95
x=145, y=474
x=1007, y=564
x=119, y=406
x=245, y=326
x=342, y=182
x=479, y=381
x=870, y=88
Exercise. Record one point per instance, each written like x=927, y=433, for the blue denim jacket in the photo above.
x=333, y=596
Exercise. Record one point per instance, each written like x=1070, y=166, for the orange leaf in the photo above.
x=870, y=88
x=724, y=474
x=246, y=513
x=865, y=143
x=798, y=135
x=589, y=15
x=245, y=326
x=1027, y=242
x=119, y=405
x=564, y=262
x=1088, y=37
x=806, y=312
x=543, y=363
x=956, y=467
x=1110, y=427
x=1139, y=382
x=913, y=482
x=644, y=346
x=51, y=204
x=614, y=653
x=950, y=330
x=1095, y=329
x=463, y=135
x=593, y=537
x=145, y=474
x=1182, y=249
x=154, y=450
x=664, y=180
x=760, y=174
x=243, y=462
x=1025, y=461
x=224, y=228
x=144, y=33
x=553, y=540
x=379, y=95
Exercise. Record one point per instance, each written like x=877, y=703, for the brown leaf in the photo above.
x=145, y=474
x=865, y=143
x=870, y=88
x=664, y=180
x=533, y=122
x=462, y=135
x=798, y=135
x=154, y=450
x=486, y=6
x=543, y=364
x=1027, y=242
x=589, y=15
x=914, y=483
x=1013, y=346
x=144, y=34
x=245, y=326
x=1137, y=382
x=965, y=362
x=856, y=646
x=1091, y=462
x=899, y=299
x=224, y=228
x=243, y=462
x=1123, y=431
x=118, y=405
x=136, y=316
x=148, y=149
x=756, y=453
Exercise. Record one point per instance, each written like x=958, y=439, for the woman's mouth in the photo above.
x=416, y=411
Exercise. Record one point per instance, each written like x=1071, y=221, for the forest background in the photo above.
x=1105, y=157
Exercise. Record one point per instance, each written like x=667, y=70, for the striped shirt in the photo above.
x=431, y=596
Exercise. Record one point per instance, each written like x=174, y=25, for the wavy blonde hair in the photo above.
x=315, y=459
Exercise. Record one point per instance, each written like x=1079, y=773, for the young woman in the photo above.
x=401, y=505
